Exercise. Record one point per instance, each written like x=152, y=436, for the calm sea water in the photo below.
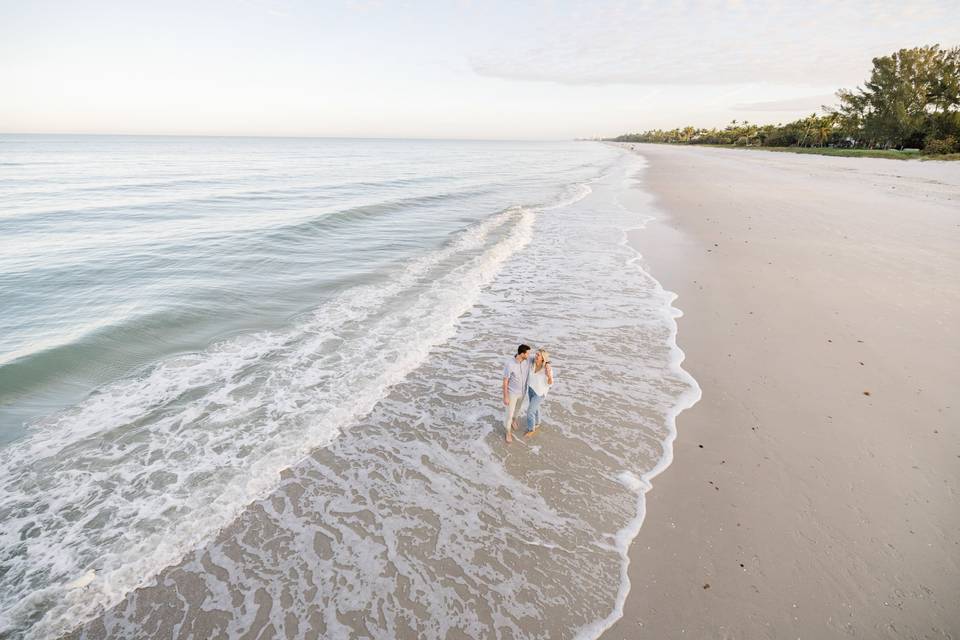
x=196, y=332
x=118, y=251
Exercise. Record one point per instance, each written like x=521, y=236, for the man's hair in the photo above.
x=523, y=349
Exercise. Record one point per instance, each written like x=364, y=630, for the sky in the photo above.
x=446, y=69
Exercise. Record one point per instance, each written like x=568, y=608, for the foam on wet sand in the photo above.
x=414, y=518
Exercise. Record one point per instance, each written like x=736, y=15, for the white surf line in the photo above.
x=625, y=536
x=474, y=275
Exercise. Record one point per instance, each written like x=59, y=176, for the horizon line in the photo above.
x=293, y=136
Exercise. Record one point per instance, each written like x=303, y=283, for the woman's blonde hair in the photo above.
x=545, y=354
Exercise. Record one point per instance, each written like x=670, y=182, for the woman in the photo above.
x=541, y=377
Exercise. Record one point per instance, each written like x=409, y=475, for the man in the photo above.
x=515, y=374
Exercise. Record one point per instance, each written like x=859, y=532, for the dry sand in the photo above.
x=814, y=489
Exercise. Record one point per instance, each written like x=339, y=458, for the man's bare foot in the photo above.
x=510, y=436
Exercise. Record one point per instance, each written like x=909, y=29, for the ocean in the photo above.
x=252, y=385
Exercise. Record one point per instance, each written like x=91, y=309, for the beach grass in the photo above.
x=894, y=154
x=850, y=153
x=945, y=156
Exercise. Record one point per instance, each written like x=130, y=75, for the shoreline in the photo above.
x=774, y=519
x=359, y=535
x=644, y=483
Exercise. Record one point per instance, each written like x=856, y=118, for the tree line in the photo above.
x=911, y=100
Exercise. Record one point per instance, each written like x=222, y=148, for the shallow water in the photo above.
x=272, y=366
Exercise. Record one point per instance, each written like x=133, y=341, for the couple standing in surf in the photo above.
x=525, y=376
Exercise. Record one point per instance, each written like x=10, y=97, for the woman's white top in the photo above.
x=538, y=381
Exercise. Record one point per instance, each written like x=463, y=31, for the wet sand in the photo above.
x=814, y=488
x=417, y=520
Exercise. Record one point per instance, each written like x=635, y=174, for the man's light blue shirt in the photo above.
x=517, y=373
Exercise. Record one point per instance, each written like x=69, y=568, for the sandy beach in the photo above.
x=268, y=278
x=813, y=492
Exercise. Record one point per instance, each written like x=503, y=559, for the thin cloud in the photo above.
x=705, y=42
x=803, y=103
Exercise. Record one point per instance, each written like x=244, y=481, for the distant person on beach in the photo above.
x=515, y=374
x=538, y=384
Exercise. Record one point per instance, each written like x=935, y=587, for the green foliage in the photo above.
x=940, y=146
x=894, y=154
x=912, y=99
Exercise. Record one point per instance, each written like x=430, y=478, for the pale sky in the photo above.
x=455, y=69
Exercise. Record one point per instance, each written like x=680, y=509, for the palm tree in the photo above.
x=807, y=124
x=825, y=126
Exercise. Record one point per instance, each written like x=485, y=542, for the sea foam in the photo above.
x=346, y=475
